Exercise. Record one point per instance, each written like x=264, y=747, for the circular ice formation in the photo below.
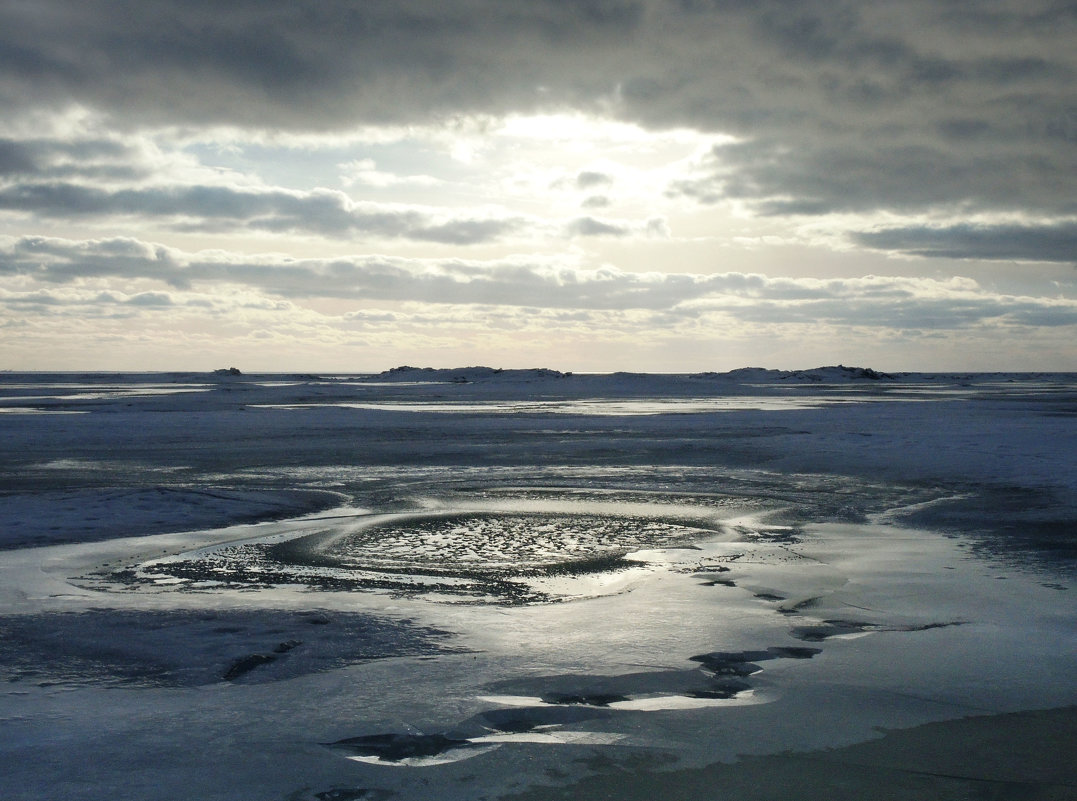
x=498, y=555
x=502, y=542
x=514, y=549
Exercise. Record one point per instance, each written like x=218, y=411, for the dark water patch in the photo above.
x=518, y=720
x=743, y=663
x=469, y=737
x=596, y=564
x=1029, y=526
x=769, y=596
x=719, y=665
x=136, y=648
x=398, y=747
x=598, y=691
x=342, y=794
x=245, y=664
x=838, y=628
x=353, y=794
x=831, y=628
x=547, y=703
x=718, y=582
x=724, y=693
x=793, y=652
x=799, y=606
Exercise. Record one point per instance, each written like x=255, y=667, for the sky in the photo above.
x=588, y=185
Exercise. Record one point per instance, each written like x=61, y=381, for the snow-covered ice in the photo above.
x=528, y=583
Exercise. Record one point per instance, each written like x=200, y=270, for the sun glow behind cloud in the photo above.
x=784, y=198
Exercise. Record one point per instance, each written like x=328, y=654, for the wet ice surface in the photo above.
x=497, y=601
x=523, y=547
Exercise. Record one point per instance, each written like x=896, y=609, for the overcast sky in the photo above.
x=660, y=185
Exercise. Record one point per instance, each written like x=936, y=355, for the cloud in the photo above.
x=813, y=178
x=590, y=226
x=836, y=104
x=589, y=179
x=74, y=300
x=151, y=299
x=893, y=302
x=226, y=208
x=595, y=202
x=223, y=209
x=1055, y=242
x=102, y=159
x=466, y=232
x=300, y=65
x=16, y=158
x=655, y=227
x=60, y=260
x=918, y=313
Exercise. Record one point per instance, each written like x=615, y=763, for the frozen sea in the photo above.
x=524, y=584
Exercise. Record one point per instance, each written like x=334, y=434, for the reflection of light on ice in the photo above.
x=553, y=738
x=455, y=755
x=592, y=585
x=642, y=703
x=659, y=703
x=514, y=700
x=474, y=746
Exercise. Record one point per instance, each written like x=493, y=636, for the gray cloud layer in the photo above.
x=900, y=303
x=1017, y=242
x=840, y=105
x=84, y=159
x=223, y=208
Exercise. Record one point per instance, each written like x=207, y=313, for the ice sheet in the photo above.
x=499, y=604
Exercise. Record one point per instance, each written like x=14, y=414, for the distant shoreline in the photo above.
x=471, y=373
